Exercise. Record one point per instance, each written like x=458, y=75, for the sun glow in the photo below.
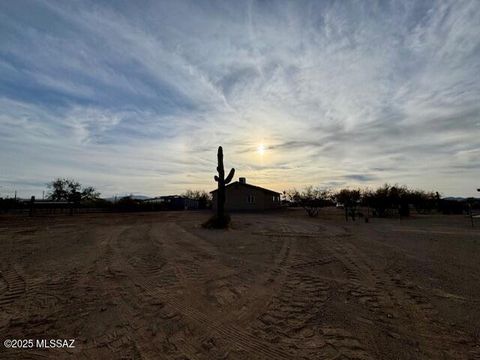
x=261, y=149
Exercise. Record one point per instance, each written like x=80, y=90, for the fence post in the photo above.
x=471, y=215
x=32, y=206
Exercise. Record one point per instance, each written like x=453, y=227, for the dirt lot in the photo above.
x=275, y=286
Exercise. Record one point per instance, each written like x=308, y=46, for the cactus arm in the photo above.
x=230, y=176
x=216, y=178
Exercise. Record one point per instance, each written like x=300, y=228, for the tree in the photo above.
x=203, y=197
x=350, y=200
x=70, y=190
x=89, y=193
x=424, y=201
x=387, y=199
x=382, y=200
x=311, y=199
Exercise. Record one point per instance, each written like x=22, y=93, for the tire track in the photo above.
x=118, y=340
x=393, y=301
x=15, y=286
x=291, y=317
x=229, y=333
x=262, y=290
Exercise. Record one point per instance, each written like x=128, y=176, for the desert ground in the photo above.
x=274, y=286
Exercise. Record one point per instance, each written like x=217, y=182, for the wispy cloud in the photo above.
x=137, y=98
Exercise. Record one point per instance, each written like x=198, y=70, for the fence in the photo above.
x=34, y=207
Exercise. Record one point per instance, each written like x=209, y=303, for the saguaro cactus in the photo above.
x=222, y=181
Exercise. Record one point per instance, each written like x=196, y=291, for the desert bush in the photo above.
x=387, y=200
x=311, y=199
x=350, y=199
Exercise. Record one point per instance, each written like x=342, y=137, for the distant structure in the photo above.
x=241, y=196
x=173, y=202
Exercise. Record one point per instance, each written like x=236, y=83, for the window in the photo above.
x=251, y=199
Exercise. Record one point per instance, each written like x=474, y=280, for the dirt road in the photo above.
x=275, y=286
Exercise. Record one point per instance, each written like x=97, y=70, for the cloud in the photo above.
x=360, y=177
x=137, y=98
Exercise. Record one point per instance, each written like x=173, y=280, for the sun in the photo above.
x=261, y=149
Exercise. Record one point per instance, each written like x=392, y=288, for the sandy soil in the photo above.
x=275, y=286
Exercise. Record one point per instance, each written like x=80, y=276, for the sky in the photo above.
x=136, y=96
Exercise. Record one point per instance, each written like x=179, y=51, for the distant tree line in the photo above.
x=386, y=200
x=64, y=193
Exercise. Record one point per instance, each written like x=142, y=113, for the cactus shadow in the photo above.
x=216, y=222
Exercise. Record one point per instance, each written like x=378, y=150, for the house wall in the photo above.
x=269, y=202
x=237, y=199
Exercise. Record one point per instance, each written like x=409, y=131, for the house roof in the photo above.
x=249, y=186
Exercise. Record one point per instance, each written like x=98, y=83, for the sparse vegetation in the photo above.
x=386, y=200
x=390, y=200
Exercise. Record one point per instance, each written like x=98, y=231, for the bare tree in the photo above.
x=311, y=199
x=70, y=190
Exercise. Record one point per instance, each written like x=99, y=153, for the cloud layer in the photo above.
x=132, y=98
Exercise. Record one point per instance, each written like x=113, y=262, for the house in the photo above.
x=240, y=196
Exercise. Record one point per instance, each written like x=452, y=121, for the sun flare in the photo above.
x=261, y=149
